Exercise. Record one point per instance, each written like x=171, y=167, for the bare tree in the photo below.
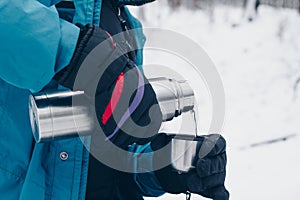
x=251, y=7
x=174, y=3
x=141, y=13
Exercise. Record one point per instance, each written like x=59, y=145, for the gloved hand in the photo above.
x=122, y=92
x=207, y=179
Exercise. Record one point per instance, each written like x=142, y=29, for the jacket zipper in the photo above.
x=128, y=37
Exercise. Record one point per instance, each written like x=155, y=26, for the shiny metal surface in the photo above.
x=183, y=153
x=174, y=97
x=52, y=116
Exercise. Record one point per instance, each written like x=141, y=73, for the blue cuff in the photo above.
x=144, y=176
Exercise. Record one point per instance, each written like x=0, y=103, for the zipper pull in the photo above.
x=129, y=39
x=188, y=195
x=123, y=21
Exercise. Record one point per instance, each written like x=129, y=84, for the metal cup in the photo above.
x=183, y=152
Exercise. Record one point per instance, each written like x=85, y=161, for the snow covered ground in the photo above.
x=259, y=63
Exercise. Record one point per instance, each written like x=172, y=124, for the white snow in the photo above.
x=259, y=63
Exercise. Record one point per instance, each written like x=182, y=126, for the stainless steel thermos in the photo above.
x=54, y=116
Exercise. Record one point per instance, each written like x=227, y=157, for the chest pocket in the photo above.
x=66, y=10
x=80, y=11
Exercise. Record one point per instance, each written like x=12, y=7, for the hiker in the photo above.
x=43, y=45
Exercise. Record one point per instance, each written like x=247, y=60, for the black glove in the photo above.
x=117, y=96
x=207, y=179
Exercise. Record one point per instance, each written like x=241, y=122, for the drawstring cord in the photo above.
x=188, y=195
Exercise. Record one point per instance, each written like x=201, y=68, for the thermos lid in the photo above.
x=34, y=119
x=53, y=115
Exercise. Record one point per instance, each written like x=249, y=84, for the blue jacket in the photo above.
x=35, y=44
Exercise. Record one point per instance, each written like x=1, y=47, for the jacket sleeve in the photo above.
x=144, y=177
x=34, y=43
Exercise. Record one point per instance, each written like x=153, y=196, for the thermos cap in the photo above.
x=53, y=116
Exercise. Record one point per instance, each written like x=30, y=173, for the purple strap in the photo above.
x=135, y=103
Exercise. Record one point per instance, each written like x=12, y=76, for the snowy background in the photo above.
x=259, y=63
